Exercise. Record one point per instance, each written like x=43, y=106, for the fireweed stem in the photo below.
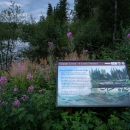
x=71, y=45
x=50, y=57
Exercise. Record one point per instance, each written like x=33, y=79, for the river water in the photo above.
x=12, y=50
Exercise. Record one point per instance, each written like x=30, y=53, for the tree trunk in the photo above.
x=115, y=21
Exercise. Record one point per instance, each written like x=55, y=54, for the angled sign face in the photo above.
x=92, y=84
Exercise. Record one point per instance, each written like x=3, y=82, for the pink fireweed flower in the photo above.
x=74, y=59
x=40, y=91
x=15, y=89
x=69, y=34
x=85, y=51
x=29, y=76
x=3, y=102
x=3, y=80
x=30, y=89
x=50, y=43
x=16, y=102
x=20, y=68
x=24, y=97
x=128, y=35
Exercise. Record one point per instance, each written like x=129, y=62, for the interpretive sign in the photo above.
x=92, y=84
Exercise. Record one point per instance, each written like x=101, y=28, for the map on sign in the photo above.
x=92, y=84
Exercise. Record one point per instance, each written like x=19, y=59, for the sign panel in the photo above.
x=92, y=84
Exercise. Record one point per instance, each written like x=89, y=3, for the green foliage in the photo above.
x=119, y=51
x=105, y=53
x=123, y=47
x=86, y=35
x=38, y=35
x=34, y=109
x=84, y=9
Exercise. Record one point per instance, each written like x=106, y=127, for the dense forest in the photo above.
x=99, y=26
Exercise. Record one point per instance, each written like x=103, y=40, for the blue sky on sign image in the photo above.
x=36, y=8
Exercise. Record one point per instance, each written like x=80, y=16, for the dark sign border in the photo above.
x=90, y=61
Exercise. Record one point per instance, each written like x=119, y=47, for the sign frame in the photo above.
x=69, y=101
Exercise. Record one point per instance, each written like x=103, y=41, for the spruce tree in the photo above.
x=49, y=10
x=60, y=11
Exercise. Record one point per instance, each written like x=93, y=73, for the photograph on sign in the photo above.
x=92, y=84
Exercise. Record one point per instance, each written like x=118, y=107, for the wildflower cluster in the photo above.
x=30, y=89
x=74, y=59
x=50, y=43
x=69, y=34
x=3, y=102
x=20, y=68
x=40, y=91
x=71, y=45
x=85, y=51
x=24, y=97
x=29, y=76
x=128, y=35
x=85, y=54
x=15, y=89
x=16, y=102
x=3, y=80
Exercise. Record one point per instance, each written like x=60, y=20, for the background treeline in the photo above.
x=99, y=26
x=114, y=74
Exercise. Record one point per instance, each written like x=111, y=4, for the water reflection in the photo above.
x=11, y=50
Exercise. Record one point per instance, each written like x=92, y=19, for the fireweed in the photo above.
x=15, y=89
x=3, y=86
x=30, y=89
x=74, y=59
x=29, y=76
x=3, y=102
x=51, y=68
x=16, y=102
x=20, y=68
x=47, y=72
x=85, y=54
x=69, y=34
x=3, y=80
x=51, y=49
x=71, y=45
x=40, y=91
x=128, y=35
x=24, y=97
